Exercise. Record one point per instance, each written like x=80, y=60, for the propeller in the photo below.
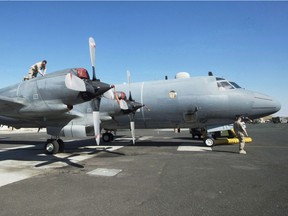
x=98, y=90
x=127, y=106
x=92, y=46
x=132, y=114
x=97, y=130
x=96, y=113
x=133, y=107
x=132, y=127
x=128, y=78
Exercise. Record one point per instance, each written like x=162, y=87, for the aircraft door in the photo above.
x=191, y=114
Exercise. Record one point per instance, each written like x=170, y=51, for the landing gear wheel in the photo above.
x=107, y=137
x=61, y=145
x=51, y=147
x=111, y=136
x=209, y=141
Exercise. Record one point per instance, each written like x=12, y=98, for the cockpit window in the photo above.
x=219, y=78
x=222, y=85
x=235, y=84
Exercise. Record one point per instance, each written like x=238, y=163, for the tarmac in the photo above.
x=165, y=173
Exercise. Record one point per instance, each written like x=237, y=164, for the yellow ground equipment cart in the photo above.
x=223, y=137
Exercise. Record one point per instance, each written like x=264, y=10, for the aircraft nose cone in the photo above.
x=264, y=105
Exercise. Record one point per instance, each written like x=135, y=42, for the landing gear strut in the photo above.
x=53, y=146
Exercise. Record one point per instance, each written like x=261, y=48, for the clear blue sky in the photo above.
x=246, y=42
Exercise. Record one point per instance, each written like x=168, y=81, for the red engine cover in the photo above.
x=82, y=73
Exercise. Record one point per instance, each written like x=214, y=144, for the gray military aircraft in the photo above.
x=206, y=102
x=67, y=103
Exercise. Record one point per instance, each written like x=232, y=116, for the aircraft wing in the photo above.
x=8, y=104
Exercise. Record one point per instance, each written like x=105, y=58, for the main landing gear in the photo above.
x=54, y=146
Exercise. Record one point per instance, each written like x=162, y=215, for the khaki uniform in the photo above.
x=35, y=69
x=240, y=130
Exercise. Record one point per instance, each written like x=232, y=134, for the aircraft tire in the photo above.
x=209, y=141
x=61, y=145
x=106, y=137
x=111, y=136
x=51, y=147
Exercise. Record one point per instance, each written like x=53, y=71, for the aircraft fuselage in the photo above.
x=190, y=102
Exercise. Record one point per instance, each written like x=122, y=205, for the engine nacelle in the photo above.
x=77, y=131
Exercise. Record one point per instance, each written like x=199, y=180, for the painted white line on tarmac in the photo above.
x=104, y=172
x=13, y=170
x=185, y=147
x=145, y=138
x=128, y=139
x=16, y=170
x=8, y=175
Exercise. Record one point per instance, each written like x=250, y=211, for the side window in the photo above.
x=235, y=84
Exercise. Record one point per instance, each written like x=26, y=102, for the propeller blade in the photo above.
x=96, y=121
x=109, y=94
x=132, y=127
x=92, y=46
x=129, y=79
x=74, y=83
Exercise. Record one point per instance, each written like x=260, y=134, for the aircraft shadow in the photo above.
x=172, y=142
x=17, y=142
x=64, y=160
x=36, y=149
x=225, y=151
x=79, y=147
